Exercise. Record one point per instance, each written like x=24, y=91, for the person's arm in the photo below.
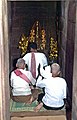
x=44, y=73
x=11, y=84
x=11, y=80
x=65, y=89
x=41, y=82
x=44, y=60
x=26, y=58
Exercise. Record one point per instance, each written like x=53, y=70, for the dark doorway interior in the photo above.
x=24, y=14
x=22, y=17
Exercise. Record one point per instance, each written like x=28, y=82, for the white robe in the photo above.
x=20, y=86
x=55, y=90
x=39, y=57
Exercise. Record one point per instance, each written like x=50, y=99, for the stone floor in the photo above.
x=53, y=117
x=62, y=117
x=44, y=115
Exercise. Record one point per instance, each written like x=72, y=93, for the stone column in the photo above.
x=4, y=63
x=74, y=101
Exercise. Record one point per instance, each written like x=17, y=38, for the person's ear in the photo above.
x=59, y=72
x=16, y=65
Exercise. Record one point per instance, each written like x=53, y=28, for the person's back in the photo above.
x=55, y=89
x=20, y=83
x=39, y=58
x=20, y=86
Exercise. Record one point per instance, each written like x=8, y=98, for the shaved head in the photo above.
x=20, y=63
x=55, y=69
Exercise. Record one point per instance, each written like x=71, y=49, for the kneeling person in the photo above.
x=20, y=83
x=55, y=90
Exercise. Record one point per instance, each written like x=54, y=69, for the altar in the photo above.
x=38, y=34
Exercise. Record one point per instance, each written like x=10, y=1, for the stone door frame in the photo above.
x=4, y=63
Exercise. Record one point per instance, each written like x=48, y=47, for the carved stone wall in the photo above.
x=67, y=45
x=66, y=41
x=70, y=45
x=74, y=96
x=62, y=38
x=4, y=63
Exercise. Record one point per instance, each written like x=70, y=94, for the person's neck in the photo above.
x=21, y=68
x=34, y=51
x=55, y=75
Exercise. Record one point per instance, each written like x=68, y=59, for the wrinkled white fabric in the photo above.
x=55, y=90
x=40, y=58
x=20, y=86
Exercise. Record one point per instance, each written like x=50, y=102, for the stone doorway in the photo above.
x=18, y=25
x=4, y=62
